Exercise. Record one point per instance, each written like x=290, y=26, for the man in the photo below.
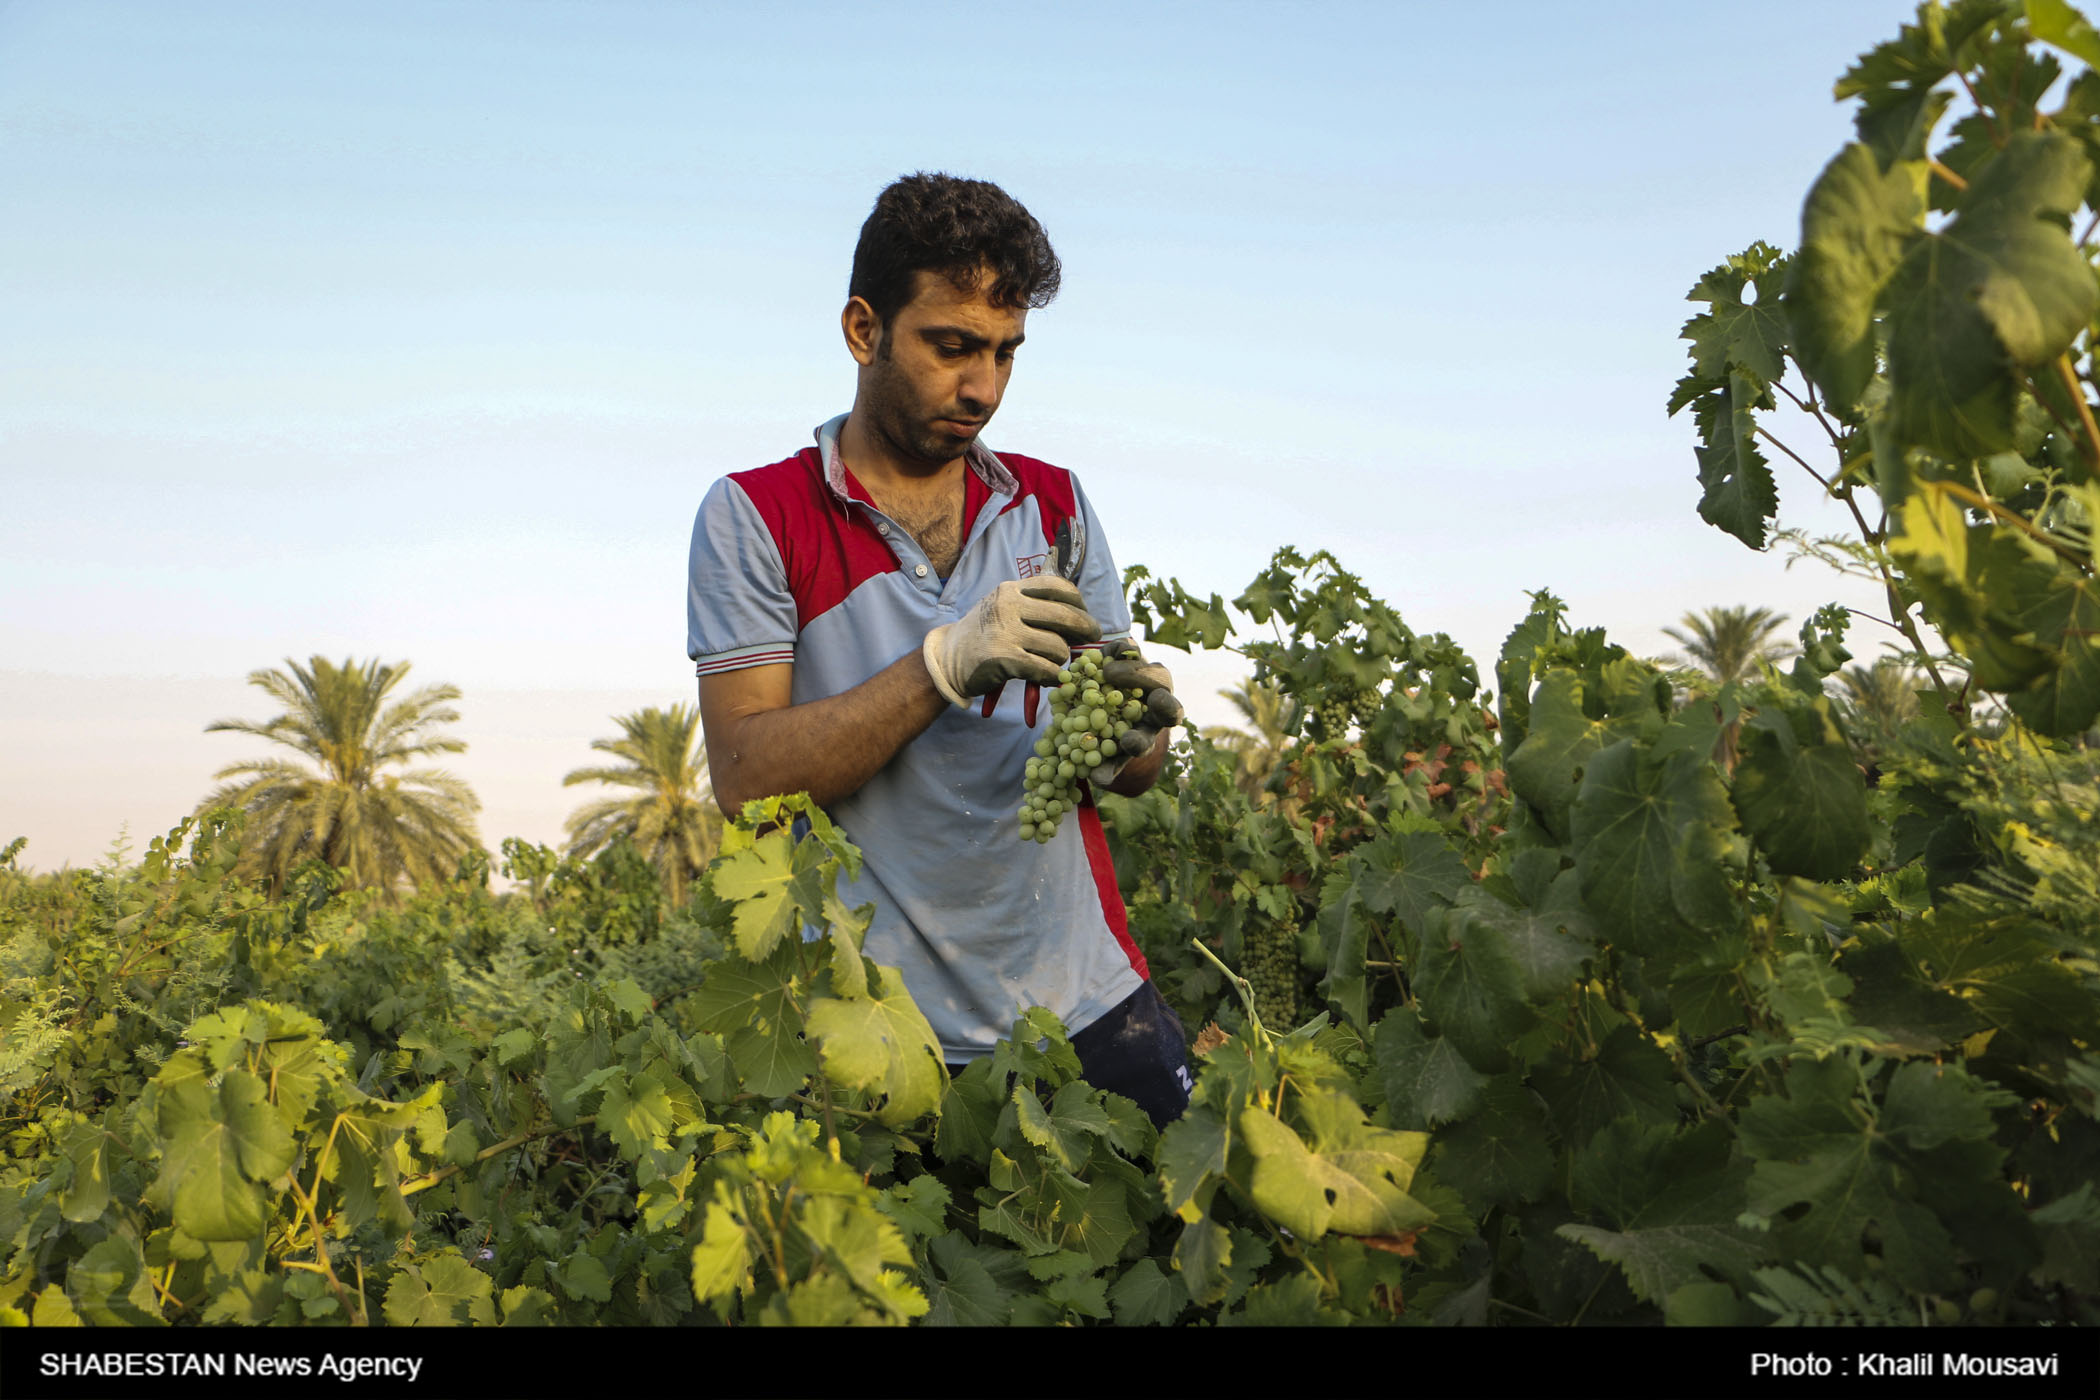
x=847, y=608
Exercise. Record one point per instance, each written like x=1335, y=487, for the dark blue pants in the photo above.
x=1137, y=1049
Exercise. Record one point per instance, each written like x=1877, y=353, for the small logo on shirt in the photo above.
x=1033, y=565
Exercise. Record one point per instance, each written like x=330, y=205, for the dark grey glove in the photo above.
x=1130, y=673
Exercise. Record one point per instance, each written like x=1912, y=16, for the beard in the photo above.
x=912, y=430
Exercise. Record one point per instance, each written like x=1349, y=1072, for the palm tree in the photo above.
x=1879, y=700
x=1729, y=643
x=671, y=818
x=381, y=828
x=1261, y=704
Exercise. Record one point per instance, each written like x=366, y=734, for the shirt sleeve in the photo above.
x=1100, y=582
x=739, y=611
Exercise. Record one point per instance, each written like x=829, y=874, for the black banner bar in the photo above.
x=563, y=1363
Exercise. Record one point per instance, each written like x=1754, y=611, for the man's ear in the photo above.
x=863, y=329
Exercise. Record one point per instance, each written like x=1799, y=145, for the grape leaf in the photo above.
x=637, y=1115
x=441, y=1291
x=1627, y=1080
x=1815, y=1148
x=1889, y=993
x=1067, y=1127
x=1353, y=1180
x=1736, y=489
x=1499, y=1155
x=1854, y=225
x=109, y=1286
x=582, y=1276
x=1546, y=769
x=1804, y=804
x=85, y=1195
x=1201, y=1256
x=722, y=1260
x=1147, y=1296
x=918, y=1207
x=2057, y=22
x=1648, y=844
x=2059, y=612
x=883, y=1046
x=2001, y=288
x=1733, y=334
x=856, y=1237
x=1090, y=1217
x=1289, y=1302
x=1426, y=1081
x=962, y=1288
x=1548, y=947
x=970, y=1109
x=1671, y=1197
x=753, y=1004
x=1192, y=1149
x=220, y=1145
x=760, y=880
x=1470, y=990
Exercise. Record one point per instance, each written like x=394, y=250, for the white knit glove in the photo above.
x=1021, y=630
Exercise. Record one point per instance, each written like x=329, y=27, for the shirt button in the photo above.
x=882, y=527
x=920, y=571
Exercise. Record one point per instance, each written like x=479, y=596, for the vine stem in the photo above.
x=1243, y=987
x=2013, y=518
x=829, y=1109
x=322, y=1264
x=1873, y=539
x=1699, y=1090
x=1809, y=405
x=1998, y=139
x=430, y=1179
x=2068, y=372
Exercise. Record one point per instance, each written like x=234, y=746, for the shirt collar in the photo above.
x=985, y=462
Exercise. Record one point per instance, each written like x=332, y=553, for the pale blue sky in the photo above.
x=419, y=331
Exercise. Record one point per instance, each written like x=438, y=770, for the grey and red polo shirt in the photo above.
x=794, y=564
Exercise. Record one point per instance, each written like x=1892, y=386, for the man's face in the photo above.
x=937, y=371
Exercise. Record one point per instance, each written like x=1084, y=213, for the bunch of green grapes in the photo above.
x=1271, y=958
x=1331, y=718
x=1086, y=719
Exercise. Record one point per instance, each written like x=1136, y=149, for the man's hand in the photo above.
x=1130, y=673
x=1018, y=631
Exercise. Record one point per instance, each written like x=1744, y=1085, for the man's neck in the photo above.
x=881, y=467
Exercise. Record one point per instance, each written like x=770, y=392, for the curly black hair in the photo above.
x=958, y=228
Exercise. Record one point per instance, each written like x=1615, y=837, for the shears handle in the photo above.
x=1030, y=699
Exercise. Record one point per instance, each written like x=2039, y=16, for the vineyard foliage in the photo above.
x=1569, y=997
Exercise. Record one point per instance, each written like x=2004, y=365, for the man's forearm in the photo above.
x=827, y=748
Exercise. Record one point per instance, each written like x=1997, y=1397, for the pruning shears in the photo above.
x=1067, y=553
